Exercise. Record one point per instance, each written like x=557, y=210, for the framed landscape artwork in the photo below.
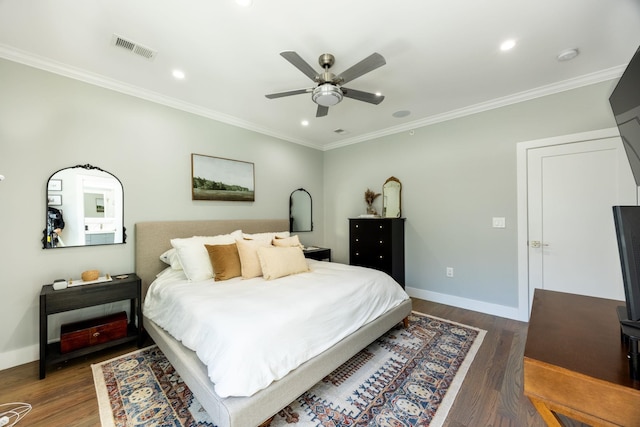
x=215, y=178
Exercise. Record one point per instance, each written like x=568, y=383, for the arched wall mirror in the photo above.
x=85, y=206
x=300, y=215
x=391, y=200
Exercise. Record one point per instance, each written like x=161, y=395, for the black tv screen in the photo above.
x=627, y=222
x=625, y=103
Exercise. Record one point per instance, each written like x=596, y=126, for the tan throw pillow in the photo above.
x=248, y=252
x=284, y=242
x=279, y=262
x=225, y=261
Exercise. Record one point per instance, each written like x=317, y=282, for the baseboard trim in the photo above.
x=469, y=304
x=9, y=359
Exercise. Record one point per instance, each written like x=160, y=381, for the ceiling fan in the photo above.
x=329, y=90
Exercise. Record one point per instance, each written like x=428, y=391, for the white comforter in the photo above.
x=252, y=332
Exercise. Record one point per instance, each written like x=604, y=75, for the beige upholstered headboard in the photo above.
x=154, y=238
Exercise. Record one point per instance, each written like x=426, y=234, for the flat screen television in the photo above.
x=625, y=103
x=627, y=222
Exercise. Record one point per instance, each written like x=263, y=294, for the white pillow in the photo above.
x=266, y=236
x=194, y=257
x=171, y=258
x=281, y=261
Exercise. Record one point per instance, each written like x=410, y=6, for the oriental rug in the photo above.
x=408, y=377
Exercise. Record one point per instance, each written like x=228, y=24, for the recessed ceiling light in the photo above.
x=244, y=3
x=507, y=45
x=401, y=113
x=568, y=54
x=178, y=74
x=305, y=123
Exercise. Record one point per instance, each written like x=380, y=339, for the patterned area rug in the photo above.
x=408, y=377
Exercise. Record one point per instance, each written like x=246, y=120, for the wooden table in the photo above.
x=575, y=362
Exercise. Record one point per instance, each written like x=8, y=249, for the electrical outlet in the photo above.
x=449, y=271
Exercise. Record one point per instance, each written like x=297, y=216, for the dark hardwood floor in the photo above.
x=491, y=394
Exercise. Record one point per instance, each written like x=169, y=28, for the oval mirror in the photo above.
x=391, y=191
x=85, y=206
x=300, y=217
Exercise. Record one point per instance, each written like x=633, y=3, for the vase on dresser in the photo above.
x=378, y=243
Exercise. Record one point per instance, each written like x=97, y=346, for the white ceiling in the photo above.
x=443, y=57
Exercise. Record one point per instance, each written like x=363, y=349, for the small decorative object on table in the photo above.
x=369, y=198
x=90, y=275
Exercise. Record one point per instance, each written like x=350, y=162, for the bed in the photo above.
x=151, y=240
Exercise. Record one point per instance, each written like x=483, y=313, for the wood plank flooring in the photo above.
x=491, y=394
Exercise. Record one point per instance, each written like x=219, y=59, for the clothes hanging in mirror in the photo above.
x=85, y=206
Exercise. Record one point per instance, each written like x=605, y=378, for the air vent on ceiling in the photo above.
x=133, y=47
x=340, y=131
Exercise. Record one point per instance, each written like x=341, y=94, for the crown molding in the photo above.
x=47, y=64
x=575, y=83
x=65, y=70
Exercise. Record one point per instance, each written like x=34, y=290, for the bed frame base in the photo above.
x=263, y=405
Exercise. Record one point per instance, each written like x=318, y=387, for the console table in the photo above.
x=72, y=298
x=575, y=362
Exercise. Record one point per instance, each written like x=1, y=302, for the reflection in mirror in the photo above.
x=85, y=206
x=391, y=191
x=300, y=217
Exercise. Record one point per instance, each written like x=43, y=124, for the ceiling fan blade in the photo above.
x=322, y=111
x=369, y=97
x=302, y=65
x=288, y=93
x=370, y=63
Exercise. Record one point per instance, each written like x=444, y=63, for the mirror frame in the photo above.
x=385, y=189
x=46, y=200
x=291, y=230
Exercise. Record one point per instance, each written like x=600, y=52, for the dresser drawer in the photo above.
x=85, y=333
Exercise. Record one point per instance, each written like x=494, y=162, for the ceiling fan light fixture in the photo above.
x=327, y=95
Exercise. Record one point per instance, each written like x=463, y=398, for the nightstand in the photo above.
x=319, y=254
x=72, y=298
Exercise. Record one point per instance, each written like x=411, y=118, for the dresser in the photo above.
x=378, y=243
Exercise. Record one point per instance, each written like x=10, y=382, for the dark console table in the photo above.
x=52, y=301
x=575, y=362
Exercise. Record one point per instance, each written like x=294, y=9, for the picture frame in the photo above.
x=54, y=185
x=217, y=178
x=54, y=199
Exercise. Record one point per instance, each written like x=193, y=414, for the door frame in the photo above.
x=522, y=151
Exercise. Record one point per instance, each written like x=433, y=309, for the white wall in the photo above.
x=48, y=122
x=456, y=176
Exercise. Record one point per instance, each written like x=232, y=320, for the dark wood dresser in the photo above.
x=378, y=243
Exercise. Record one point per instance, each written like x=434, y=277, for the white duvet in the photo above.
x=251, y=332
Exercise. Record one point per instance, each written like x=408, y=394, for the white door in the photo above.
x=572, y=245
